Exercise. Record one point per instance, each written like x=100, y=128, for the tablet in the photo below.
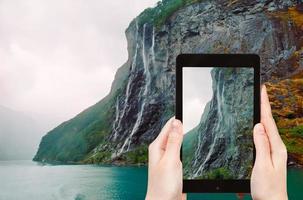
x=218, y=102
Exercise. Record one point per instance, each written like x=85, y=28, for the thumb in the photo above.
x=174, y=140
x=262, y=145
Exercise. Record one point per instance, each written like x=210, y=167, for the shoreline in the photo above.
x=290, y=165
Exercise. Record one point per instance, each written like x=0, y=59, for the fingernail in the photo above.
x=260, y=128
x=175, y=125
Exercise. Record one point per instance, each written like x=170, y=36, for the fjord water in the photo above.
x=31, y=181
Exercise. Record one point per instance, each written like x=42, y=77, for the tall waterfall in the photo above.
x=153, y=47
x=118, y=120
x=215, y=135
x=126, y=145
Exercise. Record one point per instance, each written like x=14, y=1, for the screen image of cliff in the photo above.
x=218, y=143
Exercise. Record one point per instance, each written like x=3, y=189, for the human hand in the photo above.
x=164, y=164
x=268, y=180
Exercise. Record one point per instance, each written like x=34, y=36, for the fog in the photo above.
x=197, y=92
x=58, y=58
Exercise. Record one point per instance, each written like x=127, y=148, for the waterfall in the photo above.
x=197, y=152
x=127, y=93
x=220, y=100
x=153, y=47
x=146, y=65
x=126, y=145
x=134, y=130
x=116, y=120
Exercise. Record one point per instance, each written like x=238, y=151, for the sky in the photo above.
x=197, y=92
x=59, y=57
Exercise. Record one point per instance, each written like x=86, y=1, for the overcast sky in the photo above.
x=58, y=57
x=197, y=92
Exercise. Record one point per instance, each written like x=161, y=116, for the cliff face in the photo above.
x=118, y=128
x=224, y=133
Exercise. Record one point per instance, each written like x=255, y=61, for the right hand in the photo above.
x=268, y=180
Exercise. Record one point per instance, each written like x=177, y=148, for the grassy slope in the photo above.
x=74, y=139
x=188, y=146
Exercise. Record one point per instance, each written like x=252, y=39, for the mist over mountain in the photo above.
x=19, y=135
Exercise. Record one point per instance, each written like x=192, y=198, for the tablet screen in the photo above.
x=218, y=121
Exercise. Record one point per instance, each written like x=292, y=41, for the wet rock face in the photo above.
x=224, y=133
x=142, y=96
x=142, y=104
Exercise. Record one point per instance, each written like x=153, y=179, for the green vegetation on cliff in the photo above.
x=293, y=139
x=295, y=131
x=73, y=140
x=188, y=146
x=219, y=173
x=286, y=99
x=162, y=11
x=137, y=156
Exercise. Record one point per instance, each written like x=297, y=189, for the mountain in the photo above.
x=19, y=135
x=119, y=127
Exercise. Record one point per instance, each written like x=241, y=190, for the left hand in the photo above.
x=164, y=164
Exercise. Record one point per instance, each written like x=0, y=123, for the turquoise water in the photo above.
x=26, y=180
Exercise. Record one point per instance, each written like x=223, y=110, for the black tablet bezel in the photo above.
x=217, y=60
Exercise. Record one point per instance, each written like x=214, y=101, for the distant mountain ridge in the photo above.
x=119, y=127
x=19, y=134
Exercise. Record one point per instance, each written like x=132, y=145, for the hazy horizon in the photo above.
x=197, y=92
x=59, y=58
x=57, y=52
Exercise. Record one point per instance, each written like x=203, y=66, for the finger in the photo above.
x=174, y=141
x=267, y=119
x=157, y=147
x=184, y=196
x=277, y=146
x=262, y=146
x=161, y=140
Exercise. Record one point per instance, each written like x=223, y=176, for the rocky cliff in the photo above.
x=118, y=128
